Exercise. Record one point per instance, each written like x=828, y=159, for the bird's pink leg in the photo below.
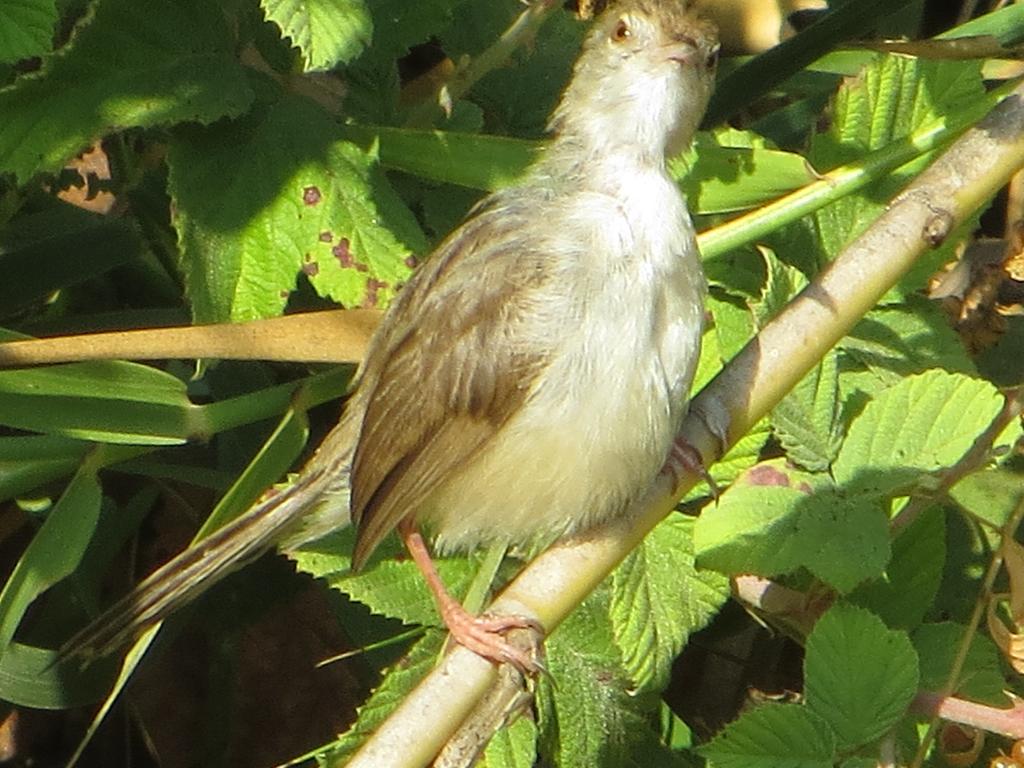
x=481, y=634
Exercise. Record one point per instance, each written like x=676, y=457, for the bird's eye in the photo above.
x=622, y=32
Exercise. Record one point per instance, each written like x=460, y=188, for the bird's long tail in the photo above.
x=273, y=519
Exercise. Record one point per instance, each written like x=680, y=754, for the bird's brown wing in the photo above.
x=447, y=370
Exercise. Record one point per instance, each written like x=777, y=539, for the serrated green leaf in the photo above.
x=773, y=735
x=55, y=551
x=316, y=204
x=589, y=703
x=782, y=283
x=919, y=426
x=981, y=678
x=388, y=587
x=396, y=589
x=734, y=325
x=326, y=32
x=512, y=747
x=658, y=599
x=396, y=685
x=26, y=28
x=896, y=341
x=545, y=64
x=893, y=96
x=843, y=541
x=767, y=529
x=905, y=594
x=991, y=495
x=132, y=65
x=859, y=675
x=806, y=422
x=752, y=529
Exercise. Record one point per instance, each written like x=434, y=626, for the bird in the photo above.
x=529, y=381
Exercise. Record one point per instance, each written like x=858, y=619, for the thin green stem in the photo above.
x=843, y=180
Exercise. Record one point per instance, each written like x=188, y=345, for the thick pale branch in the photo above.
x=331, y=336
x=959, y=182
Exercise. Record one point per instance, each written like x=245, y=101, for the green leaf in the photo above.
x=70, y=244
x=658, y=599
x=894, y=342
x=782, y=283
x=919, y=426
x=275, y=456
x=514, y=746
x=398, y=24
x=1005, y=24
x=843, y=541
x=981, y=678
x=316, y=205
x=388, y=587
x=752, y=529
x=103, y=401
x=132, y=65
x=590, y=703
x=767, y=529
x=30, y=461
x=55, y=551
x=716, y=178
x=745, y=83
x=468, y=159
x=734, y=325
x=26, y=28
x=729, y=170
x=905, y=594
x=773, y=735
x=30, y=677
x=806, y=422
x=859, y=675
x=545, y=64
x=326, y=32
x=990, y=495
x=892, y=97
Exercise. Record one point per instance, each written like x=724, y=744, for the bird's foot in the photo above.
x=486, y=636
x=682, y=459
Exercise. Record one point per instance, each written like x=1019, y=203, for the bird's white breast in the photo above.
x=598, y=426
